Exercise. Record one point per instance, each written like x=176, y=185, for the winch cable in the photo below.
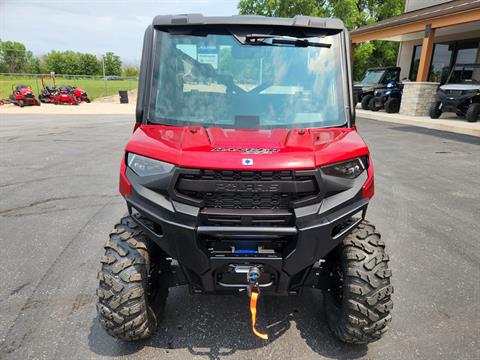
x=253, y=310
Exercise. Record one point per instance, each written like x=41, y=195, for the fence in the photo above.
x=95, y=86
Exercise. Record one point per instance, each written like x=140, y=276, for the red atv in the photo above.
x=80, y=94
x=64, y=96
x=246, y=174
x=22, y=96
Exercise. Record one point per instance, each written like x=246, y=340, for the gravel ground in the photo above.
x=58, y=201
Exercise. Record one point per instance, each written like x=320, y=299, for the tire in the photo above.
x=392, y=105
x=473, y=112
x=358, y=311
x=435, y=112
x=372, y=105
x=366, y=100
x=128, y=305
x=21, y=103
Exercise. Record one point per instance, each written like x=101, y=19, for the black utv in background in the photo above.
x=374, y=78
x=460, y=94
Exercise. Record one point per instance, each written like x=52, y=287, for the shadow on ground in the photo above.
x=217, y=326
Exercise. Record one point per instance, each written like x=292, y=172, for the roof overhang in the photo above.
x=438, y=16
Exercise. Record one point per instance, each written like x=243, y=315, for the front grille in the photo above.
x=454, y=92
x=231, y=189
x=28, y=96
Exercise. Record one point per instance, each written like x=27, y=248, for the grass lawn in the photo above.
x=94, y=87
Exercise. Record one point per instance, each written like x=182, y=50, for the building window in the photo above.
x=417, y=50
x=468, y=52
x=441, y=62
x=444, y=56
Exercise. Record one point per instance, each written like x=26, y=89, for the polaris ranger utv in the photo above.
x=460, y=94
x=375, y=78
x=245, y=174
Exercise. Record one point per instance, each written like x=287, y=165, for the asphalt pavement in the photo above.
x=59, y=200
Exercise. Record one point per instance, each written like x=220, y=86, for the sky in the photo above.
x=94, y=26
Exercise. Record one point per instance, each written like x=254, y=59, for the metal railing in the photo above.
x=95, y=86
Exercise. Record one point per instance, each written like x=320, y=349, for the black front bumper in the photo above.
x=307, y=235
x=454, y=102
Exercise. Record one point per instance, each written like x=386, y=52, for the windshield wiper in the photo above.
x=272, y=40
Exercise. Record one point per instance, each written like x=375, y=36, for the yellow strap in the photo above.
x=253, y=310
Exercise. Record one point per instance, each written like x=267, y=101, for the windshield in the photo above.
x=372, y=76
x=465, y=74
x=218, y=81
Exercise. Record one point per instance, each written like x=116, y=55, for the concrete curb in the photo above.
x=452, y=125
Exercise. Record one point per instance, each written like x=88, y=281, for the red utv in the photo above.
x=22, y=95
x=245, y=174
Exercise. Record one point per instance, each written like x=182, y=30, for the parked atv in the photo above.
x=460, y=94
x=64, y=96
x=388, y=98
x=375, y=78
x=242, y=182
x=22, y=96
x=80, y=94
x=48, y=94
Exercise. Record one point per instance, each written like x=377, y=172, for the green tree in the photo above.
x=33, y=65
x=54, y=61
x=354, y=14
x=113, y=64
x=131, y=71
x=13, y=56
x=71, y=63
x=90, y=65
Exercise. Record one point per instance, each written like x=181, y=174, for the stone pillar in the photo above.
x=417, y=97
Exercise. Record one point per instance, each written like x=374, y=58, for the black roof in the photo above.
x=298, y=21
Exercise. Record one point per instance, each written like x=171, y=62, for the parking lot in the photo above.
x=59, y=200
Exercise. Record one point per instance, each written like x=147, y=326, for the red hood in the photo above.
x=216, y=148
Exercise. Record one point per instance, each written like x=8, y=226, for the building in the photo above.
x=434, y=35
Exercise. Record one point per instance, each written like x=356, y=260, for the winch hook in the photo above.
x=253, y=276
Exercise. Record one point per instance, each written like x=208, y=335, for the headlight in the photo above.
x=144, y=166
x=349, y=169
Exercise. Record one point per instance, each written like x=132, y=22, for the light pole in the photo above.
x=104, y=77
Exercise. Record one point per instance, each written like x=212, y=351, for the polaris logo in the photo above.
x=247, y=162
x=249, y=187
